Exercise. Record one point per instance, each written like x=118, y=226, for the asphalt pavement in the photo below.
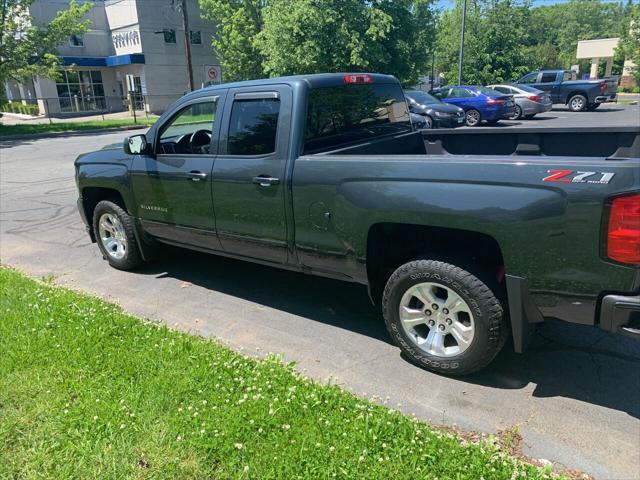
x=608, y=114
x=574, y=395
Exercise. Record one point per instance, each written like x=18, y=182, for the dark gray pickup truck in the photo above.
x=323, y=174
x=565, y=88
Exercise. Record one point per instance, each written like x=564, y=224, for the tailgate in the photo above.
x=611, y=85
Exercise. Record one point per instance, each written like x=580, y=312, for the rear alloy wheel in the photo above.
x=472, y=118
x=517, y=113
x=443, y=318
x=577, y=103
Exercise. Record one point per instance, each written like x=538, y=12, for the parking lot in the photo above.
x=569, y=396
x=608, y=114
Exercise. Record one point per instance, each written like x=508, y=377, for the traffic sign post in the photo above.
x=212, y=74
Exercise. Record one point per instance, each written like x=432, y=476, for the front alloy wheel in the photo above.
x=112, y=236
x=114, y=229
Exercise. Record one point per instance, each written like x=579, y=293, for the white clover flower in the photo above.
x=239, y=446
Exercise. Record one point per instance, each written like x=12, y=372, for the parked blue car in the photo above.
x=479, y=103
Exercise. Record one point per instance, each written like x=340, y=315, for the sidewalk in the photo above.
x=20, y=119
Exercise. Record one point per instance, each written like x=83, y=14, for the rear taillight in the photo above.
x=602, y=87
x=623, y=231
x=354, y=78
x=495, y=101
x=535, y=98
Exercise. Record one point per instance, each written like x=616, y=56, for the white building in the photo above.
x=141, y=38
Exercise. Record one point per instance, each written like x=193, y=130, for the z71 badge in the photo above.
x=571, y=176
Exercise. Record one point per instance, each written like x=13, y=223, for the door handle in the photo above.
x=265, y=180
x=196, y=176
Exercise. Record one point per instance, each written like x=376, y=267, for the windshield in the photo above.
x=422, y=97
x=489, y=91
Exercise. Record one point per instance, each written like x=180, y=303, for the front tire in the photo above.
x=428, y=122
x=578, y=103
x=443, y=318
x=517, y=113
x=114, y=230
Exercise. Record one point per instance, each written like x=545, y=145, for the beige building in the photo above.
x=604, y=49
x=143, y=39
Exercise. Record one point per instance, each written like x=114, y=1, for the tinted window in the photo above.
x=253, y=126
x=422, y=97
x=567, y=76
x=349, y=113
x=488, y=91
x=529, y=78
x=548, y=77
x=502, y=89
x=460, y=93
x=440, y=94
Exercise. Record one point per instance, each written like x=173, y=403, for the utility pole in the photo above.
x=187, y=42
x=461, y=56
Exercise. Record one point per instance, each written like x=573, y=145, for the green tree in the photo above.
x=495, y=42
x=285, y=37
x=28, y=49
x=238, y=24
x=564, y=24
x=629, y=47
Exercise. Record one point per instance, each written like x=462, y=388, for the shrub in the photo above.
x=19, y=107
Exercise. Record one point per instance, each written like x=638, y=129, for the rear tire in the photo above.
x=469, y=326
x=114, y=230
x=577, y=103
x=472, y=118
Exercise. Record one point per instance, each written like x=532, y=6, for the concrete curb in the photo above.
x=35, y=136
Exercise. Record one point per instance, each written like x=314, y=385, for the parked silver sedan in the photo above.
x=529, y=101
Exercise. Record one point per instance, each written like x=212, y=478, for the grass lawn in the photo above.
x=87, y=391
x=31, y=129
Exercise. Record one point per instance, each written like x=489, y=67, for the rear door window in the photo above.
x=548, y=77
x=253, y=126
x=343, y=114
x=461, y=93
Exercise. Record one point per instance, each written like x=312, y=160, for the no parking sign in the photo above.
x=212, y=74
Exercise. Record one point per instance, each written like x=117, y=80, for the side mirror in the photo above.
x=135, y=145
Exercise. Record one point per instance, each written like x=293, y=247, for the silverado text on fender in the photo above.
x=323, y=174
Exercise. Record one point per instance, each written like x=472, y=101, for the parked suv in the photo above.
x=479, y=103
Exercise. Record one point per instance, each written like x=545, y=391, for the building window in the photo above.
x=80, y=91
x=169, y=36
x=195, y=37
x=76, y=41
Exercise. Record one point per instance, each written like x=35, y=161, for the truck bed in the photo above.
x=541, y=225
